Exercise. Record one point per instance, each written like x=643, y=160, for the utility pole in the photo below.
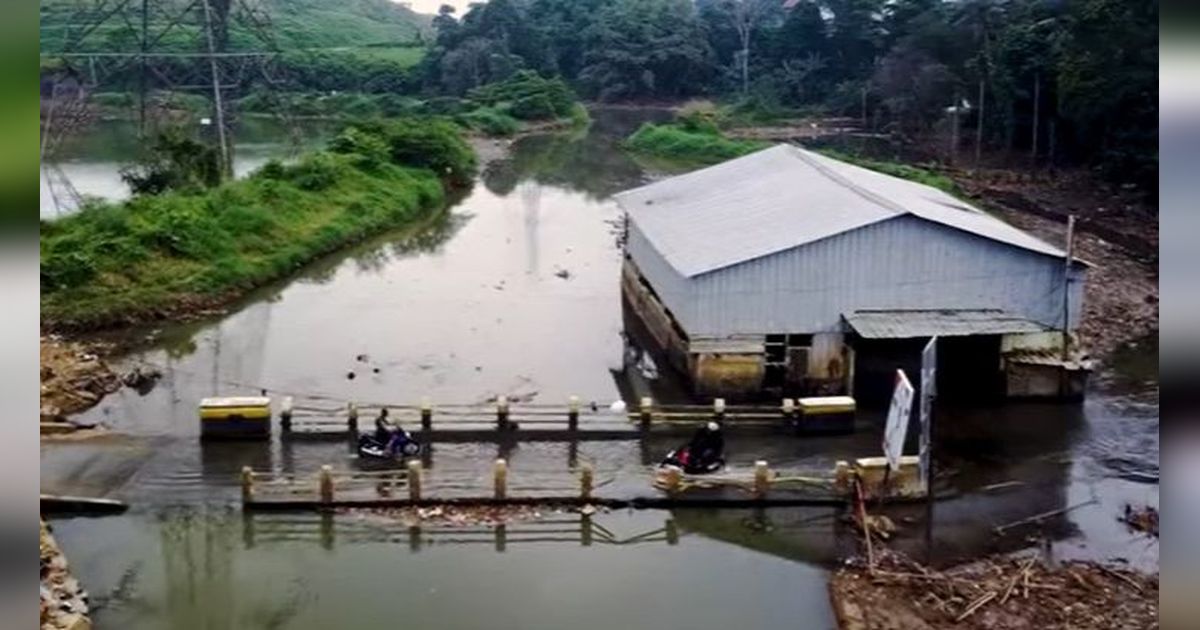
x=1064, y=380
x=218, y=104
x=864, y=108
x=1066, y=345
x=979, y=125
x=142, y=77
x=954, y=127
x=1037, y=101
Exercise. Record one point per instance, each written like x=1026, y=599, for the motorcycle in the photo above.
x=399, y=444
x=693, y=464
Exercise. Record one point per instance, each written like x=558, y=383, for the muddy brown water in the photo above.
x=472, y=304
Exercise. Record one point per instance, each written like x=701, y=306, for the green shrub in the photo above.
x=698, y=122
x=675, y=143
x=528, y=95
x=491, y=122
x=315, y=172
x=64, y=270
x=445, y=106
x=273, y=169
x=435, y=144
x=112, y=100
x=532, y=107
x=370, y=150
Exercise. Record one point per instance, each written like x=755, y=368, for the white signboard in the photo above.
x=897, y=420
x=928, y=393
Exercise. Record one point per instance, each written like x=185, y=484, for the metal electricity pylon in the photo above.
x=167, y=47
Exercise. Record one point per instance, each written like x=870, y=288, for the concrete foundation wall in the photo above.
x=1048, y=382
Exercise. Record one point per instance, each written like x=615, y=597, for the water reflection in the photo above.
x=590, y=164
x=217, y=569
x=507, y=292
x=90, y=163
x=329, y=531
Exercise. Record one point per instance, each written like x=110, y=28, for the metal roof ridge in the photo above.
x=633, y=191
x=837, y=178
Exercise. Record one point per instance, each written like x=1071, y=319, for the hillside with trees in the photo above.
x=1064, y=82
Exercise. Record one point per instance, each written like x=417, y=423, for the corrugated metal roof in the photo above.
x=783, y=197
x=908, y=324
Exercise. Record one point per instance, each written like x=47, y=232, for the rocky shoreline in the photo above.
x=64, y=603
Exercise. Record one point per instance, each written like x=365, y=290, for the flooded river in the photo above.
x=514, y=290
x=89, y=165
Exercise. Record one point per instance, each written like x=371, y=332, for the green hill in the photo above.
x=297, y=24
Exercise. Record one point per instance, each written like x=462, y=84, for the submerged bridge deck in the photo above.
x=413, y=485
x=532, y=422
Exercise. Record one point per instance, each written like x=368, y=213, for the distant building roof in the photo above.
x=909, y=323
x=783, y=197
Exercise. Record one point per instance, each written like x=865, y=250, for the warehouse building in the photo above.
x=788, y=272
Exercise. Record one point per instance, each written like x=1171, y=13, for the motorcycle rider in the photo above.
x=707, y=443
x=384, y=429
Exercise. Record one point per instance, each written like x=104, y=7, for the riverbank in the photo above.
x=897, y=593
x=74, y=377
x=188, y=253
x=64, y=603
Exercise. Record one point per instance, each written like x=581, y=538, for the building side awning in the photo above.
x=910, y=323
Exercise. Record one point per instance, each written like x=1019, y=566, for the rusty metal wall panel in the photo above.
x=672, y=289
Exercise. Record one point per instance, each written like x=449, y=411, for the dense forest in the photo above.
x=1064, y=82
x=1042, y=82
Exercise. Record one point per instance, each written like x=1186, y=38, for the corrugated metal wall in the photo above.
x=906, y=262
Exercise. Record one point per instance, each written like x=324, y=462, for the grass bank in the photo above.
x=165, y=255
x=525, y=101
x=695, y=138
x=897, y=169
x=689, y=145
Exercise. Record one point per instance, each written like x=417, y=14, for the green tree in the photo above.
x=175, y=161
x=645, y=49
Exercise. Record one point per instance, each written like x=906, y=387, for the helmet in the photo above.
x=713, y=426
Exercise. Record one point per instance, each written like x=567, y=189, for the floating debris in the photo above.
x=454, y=515
x=141, y=380
x=1143, y=519
x=998, y=592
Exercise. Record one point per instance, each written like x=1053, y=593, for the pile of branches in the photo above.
x=1002, y=592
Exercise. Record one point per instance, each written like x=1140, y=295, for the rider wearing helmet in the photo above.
x=707, y=443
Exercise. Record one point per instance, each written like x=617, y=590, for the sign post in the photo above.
x=897, y=421
x=928, y=393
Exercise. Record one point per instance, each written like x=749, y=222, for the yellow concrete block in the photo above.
x=904, y=483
